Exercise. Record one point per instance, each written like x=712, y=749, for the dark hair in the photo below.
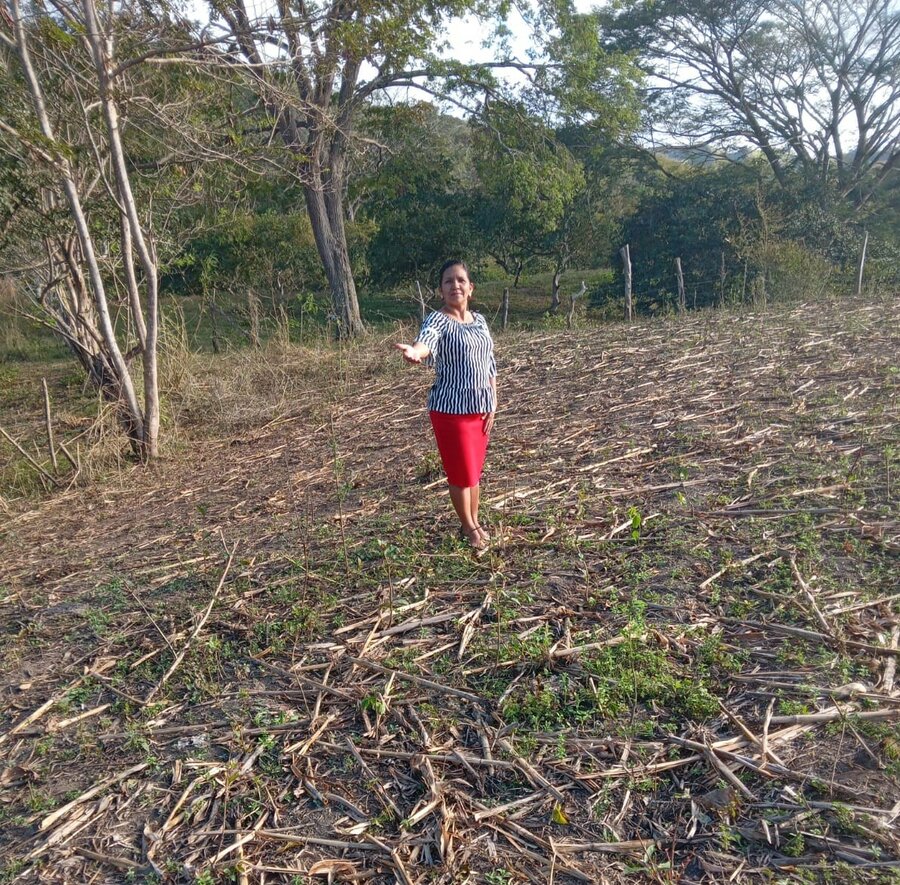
x=453, y=262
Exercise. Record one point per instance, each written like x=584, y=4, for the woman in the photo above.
x=463, y=399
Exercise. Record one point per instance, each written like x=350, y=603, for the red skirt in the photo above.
x=462, y=443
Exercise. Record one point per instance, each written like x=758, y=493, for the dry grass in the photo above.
x=696, y=540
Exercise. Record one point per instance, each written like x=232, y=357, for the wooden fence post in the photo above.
x=722, y=278
x=862, y=263
x=253, y=311
x=682, y=300
x=421, y=302
x=504, y=310
x=49, y=422
x=626, y=260
x=570, y=316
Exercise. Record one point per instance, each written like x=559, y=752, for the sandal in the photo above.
x=484, y=534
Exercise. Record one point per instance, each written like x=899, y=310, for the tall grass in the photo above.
x=21, y=339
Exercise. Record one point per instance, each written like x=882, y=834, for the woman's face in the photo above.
x=456, y=288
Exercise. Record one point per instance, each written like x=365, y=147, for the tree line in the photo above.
x=330, y=146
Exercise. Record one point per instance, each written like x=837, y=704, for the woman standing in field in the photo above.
x=463, y=399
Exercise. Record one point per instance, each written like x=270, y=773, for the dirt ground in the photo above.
x=271, y=659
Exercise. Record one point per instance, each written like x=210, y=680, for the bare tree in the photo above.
x=812, y=84
x=73, y=284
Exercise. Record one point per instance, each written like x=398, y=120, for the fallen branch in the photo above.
x=807, y=592
x=835, y=714
x=49, y=477
x=890, y=668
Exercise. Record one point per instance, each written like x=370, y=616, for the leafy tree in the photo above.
x=528, y=182
x=738, y=233
x=309, y=64
x=538, y=201
x=417, y=188
x=707, y=217
x=590, y=228
x=306, y=63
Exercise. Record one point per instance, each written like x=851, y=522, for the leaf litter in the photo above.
x=272, y=661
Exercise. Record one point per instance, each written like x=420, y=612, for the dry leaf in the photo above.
x=333, y=868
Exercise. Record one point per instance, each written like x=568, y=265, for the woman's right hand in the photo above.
x=410, y=352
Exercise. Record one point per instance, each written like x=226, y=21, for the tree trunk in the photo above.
x=325, y=215
x=132, y=233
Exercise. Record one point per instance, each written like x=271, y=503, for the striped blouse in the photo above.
x=463, y=358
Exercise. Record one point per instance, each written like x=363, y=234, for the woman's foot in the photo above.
x=485, y=536
x=473, y=535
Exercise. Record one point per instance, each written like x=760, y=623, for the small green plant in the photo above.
x=795, y=846
x=98, y=621
x=500, y=876
x=374, y=703
x=429, y=467
x=39, y=801
x=788, y=707
x=636, y=522
x=11, y=870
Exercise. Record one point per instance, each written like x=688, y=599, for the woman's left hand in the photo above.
x=488, y=420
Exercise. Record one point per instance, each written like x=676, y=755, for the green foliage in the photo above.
x=592, y=84
x=417, y=195
x=634, y=672
x=528, y=183
x=739, y=238
x=268, y=250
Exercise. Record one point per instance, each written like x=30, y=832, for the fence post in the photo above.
x=626, y=260
x=253, y=312
x=504, y=310
x=682, y=300
x=722, y=278
x=570, y=316
x=862, y=263
x=49, y=423
x=421, y=302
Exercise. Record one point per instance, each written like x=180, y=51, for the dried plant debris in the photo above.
x=272, y=661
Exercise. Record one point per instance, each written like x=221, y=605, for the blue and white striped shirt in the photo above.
x=463, y=358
